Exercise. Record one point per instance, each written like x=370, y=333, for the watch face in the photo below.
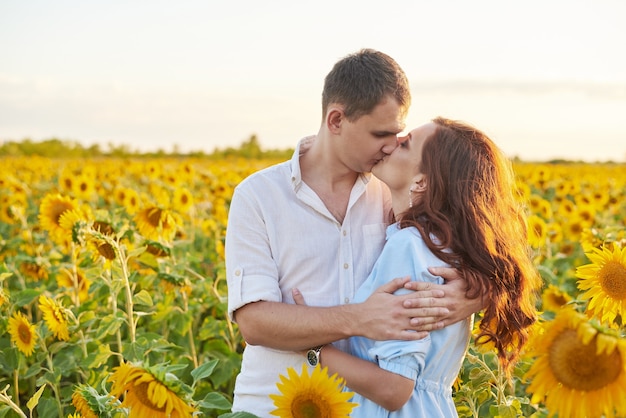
x=311, y=356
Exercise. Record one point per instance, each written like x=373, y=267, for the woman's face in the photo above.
x=400, y=169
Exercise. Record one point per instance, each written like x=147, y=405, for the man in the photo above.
x=317, y=223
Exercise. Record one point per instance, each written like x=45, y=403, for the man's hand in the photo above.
x=385, y=316
x=457, y=305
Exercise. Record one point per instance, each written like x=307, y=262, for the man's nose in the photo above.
x=391, y=145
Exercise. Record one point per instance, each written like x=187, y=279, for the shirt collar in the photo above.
x=296, y=174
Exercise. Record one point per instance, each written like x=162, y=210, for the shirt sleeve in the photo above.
x=251, y=272
x=404, y=254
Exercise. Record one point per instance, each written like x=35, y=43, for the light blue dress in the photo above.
x=434, y=362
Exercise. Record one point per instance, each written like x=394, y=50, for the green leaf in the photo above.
x=10, y=358
x=47, y=407
x=215, y=400
x=25, y=297
x=34, y=400
x=143, y=298
x=204, y=370
x=136, y=251
x=4, y=410
x=110, y=324
x=238, y=415
x=97, y=358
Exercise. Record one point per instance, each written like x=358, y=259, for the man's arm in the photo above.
x=455, y=301
x=383, y=316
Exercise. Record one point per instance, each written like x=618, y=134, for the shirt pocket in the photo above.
x=373, y=241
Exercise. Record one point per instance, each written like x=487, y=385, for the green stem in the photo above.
x=74, y=276
x=232, y=342
x=6, y=399
x=192, y=344
x=55, y=387
x=129, y=292
x=16, y=387
x=118, y=335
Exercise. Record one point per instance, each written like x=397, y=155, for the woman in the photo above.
x=453, y=199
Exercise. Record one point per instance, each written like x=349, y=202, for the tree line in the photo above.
x=54, y=148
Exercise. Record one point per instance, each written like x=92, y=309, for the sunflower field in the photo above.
x=113, y=291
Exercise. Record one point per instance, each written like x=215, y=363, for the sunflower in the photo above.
x=66, y=180
x=604, y=283
x=587, y=213
x=12, y=207
x=77, y=281
x=537, y=231
x=100, y=244
x=540, y=206
x=34, y=269
x=4, y=298
x=182, y=200
x=573, y=228
x=157, y=249
x=83, y=187
x=316, y=396
x=579, y=370
x=50, y=211
x=154, y=223
x=82, y=405
x=147, y=396
x=553, y=298
x=55, y=317
x=90, y=404
x=128, y=198
x=566, y=208
x=22, y=333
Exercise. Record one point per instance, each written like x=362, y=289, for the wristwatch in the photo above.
x=313, y=355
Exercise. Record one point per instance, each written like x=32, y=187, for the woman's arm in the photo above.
x=387, y=389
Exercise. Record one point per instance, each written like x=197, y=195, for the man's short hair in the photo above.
x=360, y=81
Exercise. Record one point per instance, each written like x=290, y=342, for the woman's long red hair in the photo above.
x=470, y=206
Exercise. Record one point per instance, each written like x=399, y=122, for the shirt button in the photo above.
x=237, y=272
x=345, y=232
x=345, y=265
x=346, y=300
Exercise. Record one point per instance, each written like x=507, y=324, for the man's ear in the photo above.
x=334, y=118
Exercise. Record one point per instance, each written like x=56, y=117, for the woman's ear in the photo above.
x=334, y=118
x=419, y=183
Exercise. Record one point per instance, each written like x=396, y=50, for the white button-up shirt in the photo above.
x=281, y=236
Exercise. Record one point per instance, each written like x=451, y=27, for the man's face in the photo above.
x=366, y=140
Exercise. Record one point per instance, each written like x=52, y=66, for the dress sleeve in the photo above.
x=251, y=272
x=404, y=254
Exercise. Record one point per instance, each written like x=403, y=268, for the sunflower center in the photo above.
x=306, y=405
x=24, y=333
x=154, y=217
x=103, y=227
x=59, y=210
x=577, y=366
x=141, y=391
x=613, y=279
x=106, y=250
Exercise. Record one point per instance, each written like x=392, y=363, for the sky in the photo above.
x=544, y=79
